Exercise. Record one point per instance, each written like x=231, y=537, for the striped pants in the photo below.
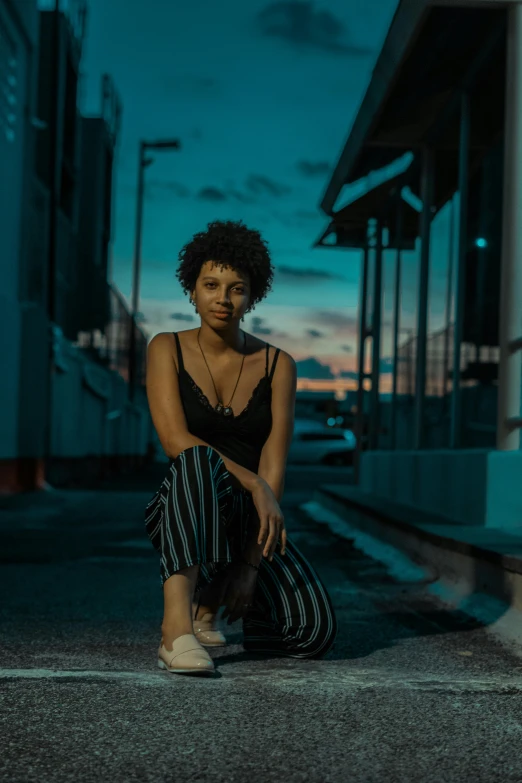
x=198, y=516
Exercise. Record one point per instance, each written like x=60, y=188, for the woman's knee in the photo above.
x=313, y=641
x=200, y=451
x=199, y=469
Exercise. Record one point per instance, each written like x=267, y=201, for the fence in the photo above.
x=439, y=363
x=479, y=399
x=111, y=347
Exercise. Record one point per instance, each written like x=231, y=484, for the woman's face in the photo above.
x=221, y=289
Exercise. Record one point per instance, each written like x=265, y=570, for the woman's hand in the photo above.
x=238, y=592
x=271, y=520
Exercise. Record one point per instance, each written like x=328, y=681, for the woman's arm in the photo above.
x=272, y=463
x=167, y=412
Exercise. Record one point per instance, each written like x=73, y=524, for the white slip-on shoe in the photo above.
x=186, y=657
x=206, y=632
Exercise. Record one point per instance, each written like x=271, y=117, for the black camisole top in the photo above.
x=241, y=437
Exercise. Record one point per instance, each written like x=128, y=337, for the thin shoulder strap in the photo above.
x=274, y=363
x=180, y=355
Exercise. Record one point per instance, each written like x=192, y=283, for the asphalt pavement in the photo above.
x=410, y=692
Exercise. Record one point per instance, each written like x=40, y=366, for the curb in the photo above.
x=446, y=549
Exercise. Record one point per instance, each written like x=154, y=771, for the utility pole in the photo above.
x=143, y=162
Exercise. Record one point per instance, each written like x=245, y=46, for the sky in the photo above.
x=261, y=96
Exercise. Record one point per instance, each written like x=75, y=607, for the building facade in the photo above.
x=441, y=240
x=64, y=328
x=19, y=41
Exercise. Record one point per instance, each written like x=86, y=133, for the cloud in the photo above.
x=353, y=376
x=305, y=275
x=310, y=169
x=182, y=317
x=259, y=184
x=257, y=326
x=386, y=369
x=348, y=348
x=156, y=188
x=242, y=197
x=311, y=368
x=336, y=319
x=299, y=24
x=212, y=194
x=314, y=333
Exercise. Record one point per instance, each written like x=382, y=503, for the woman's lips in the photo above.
x=222, y=315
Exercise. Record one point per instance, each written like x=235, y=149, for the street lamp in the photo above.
x=162, y=144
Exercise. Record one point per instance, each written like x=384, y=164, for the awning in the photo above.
x=349, y=226
x=429, y=56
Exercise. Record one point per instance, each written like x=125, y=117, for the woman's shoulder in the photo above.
x=168, y=338
x=163, y=344
x=282, y=359
x=285, y=365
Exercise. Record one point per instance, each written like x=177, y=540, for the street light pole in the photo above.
x=136, y=272
x=143, y=162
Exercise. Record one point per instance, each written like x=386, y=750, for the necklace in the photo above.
x=225, y=410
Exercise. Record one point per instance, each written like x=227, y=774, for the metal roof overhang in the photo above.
x=350, y=224
x=432, y=52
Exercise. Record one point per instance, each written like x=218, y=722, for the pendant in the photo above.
x=227, y=411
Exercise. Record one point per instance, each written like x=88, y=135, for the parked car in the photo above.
x=316, y=443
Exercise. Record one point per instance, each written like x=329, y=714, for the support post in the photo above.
x=376, y=339
x=363, y=328
x=422, y=319
x=396, y=319
x=449, y=295
x=510, y=326
x=462, y=243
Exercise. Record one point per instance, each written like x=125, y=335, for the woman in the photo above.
x=222, y=402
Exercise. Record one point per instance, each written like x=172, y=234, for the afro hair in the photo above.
x=232, y=244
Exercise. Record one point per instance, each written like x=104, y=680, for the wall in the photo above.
x=18, y=29
x=92, y=418
x=468, y=486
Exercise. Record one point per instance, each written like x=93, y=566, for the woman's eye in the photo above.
x=239, y=290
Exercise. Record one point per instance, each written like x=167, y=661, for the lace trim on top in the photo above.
x=206, y=402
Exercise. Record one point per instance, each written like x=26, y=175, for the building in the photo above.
x=434, y=157
x=65, y=412
x=19, y=38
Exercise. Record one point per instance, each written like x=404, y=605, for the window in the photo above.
x=8, y=86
